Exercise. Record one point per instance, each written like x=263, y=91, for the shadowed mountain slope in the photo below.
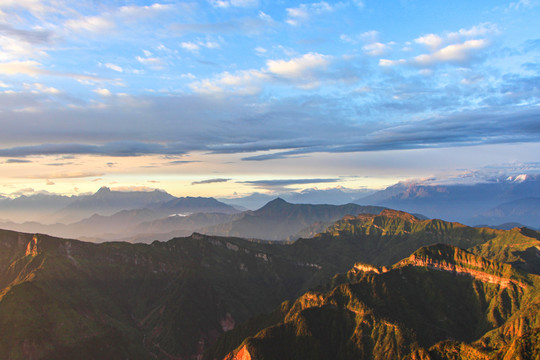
x=280, y=220
x=441, y=302
x=525, y=211
x=62, y=297
x=457, y=202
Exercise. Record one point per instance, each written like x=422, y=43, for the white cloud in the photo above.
x=114, y=67
x=35, y=7
x=33, y=68
x=234, y=3
x=388, y=63
x=29, y=67
x=520, y=4
x=245, y=82
x=435, y=42
x=40, y=88
x=102, y=92
x=260, y=50
x=366, y=37
x=456, y=53
x=301, y=71
x=189, y=46
x=303, y=12
x=477, y=30
x=298, y=67
x=132, y=11
x=15, y=49
x=376, y=48
x=432, y=41
x=369, y=36
x=92, y=24
x=153, y=62
x=197, y=45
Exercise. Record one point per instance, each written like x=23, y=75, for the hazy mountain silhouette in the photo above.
x=456, y=202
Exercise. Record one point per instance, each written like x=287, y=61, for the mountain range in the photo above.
x=281, y=220
x=336, y=196
x=494, y=202
x=51, y=209
x=277, y=220
x=408, y=288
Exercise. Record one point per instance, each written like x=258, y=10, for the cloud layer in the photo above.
x=267, y=81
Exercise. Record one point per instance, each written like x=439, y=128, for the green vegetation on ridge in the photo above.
x=177, y=298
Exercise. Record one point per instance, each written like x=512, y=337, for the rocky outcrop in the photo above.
x=242, y=354
x=359, y=267
x=460, y=270
x=33, y=247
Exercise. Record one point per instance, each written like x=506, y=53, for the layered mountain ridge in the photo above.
x=493, y=202
x=208, y=295
x=408, y=311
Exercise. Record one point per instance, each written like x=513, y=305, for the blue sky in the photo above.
x=173, y=94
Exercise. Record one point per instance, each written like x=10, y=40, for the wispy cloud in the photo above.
x=195, y=46
x=67, y=175
x=282, y=184
x=302, y=13
x=460, y=54
x=210, y=181
x=112, y=149
x=90, y=24
x=34, y=68
x=459, y=47
x=234, y=3
x=301, y=71
x=521, y=4
x=151, y=61
x=370, y=36
x=30, y=36
x=133, y=11
x=17, y=161
x=377, y=48
x=114, y=67
x=250, y=26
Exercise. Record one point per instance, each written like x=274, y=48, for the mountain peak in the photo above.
x=103, y=190
x=390, y=213
x=276, y=203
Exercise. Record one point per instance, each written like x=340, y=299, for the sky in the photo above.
x=231, y=97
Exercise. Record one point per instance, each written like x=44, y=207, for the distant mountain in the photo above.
x=33, y=207
x=251, y=202
x=146, y=224
x=62, y=299
x=107, y=202
x=525, y=211
x=51, y=209
x=504, y=226
x=190, y=205
x=441, y=302
x=139, y=225
x=175, y=226
x=455, y=202
x=337, y=196
x=280, y=220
